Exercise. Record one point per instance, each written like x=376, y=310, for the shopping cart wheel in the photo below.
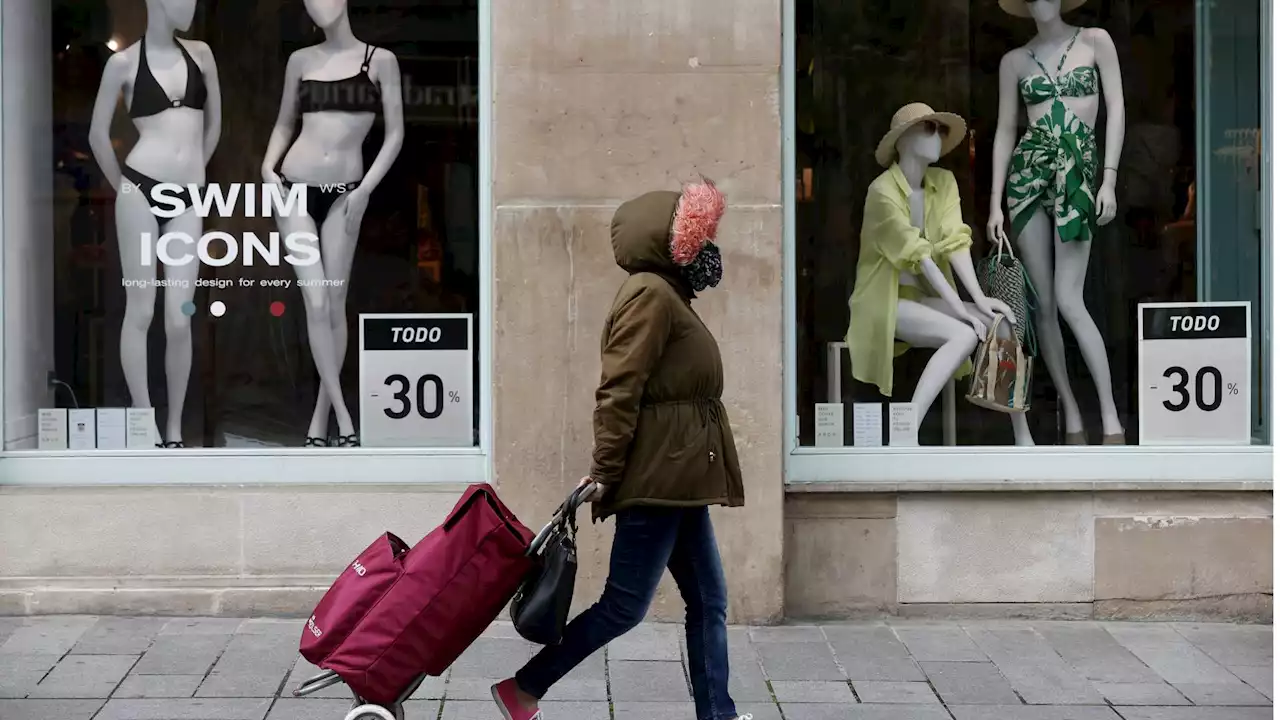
x=370, y=712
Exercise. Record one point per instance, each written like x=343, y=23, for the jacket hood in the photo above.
x=641, y=233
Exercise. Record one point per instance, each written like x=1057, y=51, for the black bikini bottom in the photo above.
x=321, y=198
x=148, y=184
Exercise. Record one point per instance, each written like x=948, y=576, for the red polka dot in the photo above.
x=277, y=308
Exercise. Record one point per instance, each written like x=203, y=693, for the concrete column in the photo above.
x=596, y=102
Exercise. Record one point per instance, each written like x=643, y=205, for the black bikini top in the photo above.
x=355, y=94
x=149, y=97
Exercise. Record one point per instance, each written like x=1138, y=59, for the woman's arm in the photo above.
x=282, y=133
x=387, y=69
x=213, y=102
x=104, y=109
x=1104, y=51
x=635, y=341
x=1002, y=146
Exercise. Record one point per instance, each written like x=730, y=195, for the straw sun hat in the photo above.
x=1019, y=7
x=912, y=115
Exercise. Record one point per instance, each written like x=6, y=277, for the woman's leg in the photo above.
x=177, y=327
x=133, y=218
x=339, y=251
x=922, y=326
x=1072, y=263
x=695, y=565
x=642, y=543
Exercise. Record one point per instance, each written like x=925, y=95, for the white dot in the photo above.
x=217, y=308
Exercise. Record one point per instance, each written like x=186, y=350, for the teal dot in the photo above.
x=188, y=308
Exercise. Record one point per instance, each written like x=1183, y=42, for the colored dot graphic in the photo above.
x=218, y=308
x=277, y=308
x=188, y=308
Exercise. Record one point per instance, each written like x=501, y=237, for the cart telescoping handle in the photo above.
x=565, y=514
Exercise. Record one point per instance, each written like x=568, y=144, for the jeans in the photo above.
x=647, y=540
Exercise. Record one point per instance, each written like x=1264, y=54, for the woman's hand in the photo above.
x=357, y=202
x=597, y=492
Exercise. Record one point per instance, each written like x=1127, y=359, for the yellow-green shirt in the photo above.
x=891, y=245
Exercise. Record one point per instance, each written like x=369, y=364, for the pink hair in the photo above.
x=697, y=217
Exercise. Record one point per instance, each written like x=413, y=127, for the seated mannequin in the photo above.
x=913, y=241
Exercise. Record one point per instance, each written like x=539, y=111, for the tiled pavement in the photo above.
x=84, y=668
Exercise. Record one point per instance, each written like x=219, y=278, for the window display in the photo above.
x=291, y=185
x=1084, y=200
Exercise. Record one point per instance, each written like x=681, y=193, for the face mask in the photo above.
x=705, y=270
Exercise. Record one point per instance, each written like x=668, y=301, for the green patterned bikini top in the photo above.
x=1079, y=82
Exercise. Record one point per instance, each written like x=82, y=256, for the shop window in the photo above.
x=890, y=322
x=325, y=161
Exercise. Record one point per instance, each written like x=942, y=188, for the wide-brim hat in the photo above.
x=1019, y=7
x=911, y=115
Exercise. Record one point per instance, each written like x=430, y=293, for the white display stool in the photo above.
x=835, y=364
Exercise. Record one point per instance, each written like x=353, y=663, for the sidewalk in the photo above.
x=84, y=668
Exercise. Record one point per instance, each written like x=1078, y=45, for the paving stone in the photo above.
x=649, y=642
x=52, y=635
x=413, y=710
x=647, y=711
x=270, y=626
x=84, y=677
x=432, y=688
x=492, y=658
x=308, y=709
x=1259, y=678
x=8, y=625
x=643, y=681
x=747, y=683
x=158, y=686
x=1034, y=670
x=939, y=643
x=799, y=661
x=257, y=654
x=49, y=709
x=1095, y=653
x=813, y=691
x=584, y=683
x=759, y=711
x=303, y=671
x=20, y=673
x=818, y=711
x=1141, y=694
x=961, y=683
x=468, y=689
x=1026, y=712
x=873, y=653
x=1171, y=656
x=182, y=654
x=1230, y=644
x=1194, y=713
x=1236, y=693
x=240, y=685
x=199, y=709
x=201, y=626
x=787, y=634
x=119, y=636
x=902, y=693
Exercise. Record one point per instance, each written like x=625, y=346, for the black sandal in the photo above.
x=313, y=441
x=172, y=445
x=352, y=440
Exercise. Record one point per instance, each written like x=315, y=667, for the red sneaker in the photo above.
x=505, y=695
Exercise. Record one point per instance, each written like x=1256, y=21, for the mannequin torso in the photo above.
x=329, y=147
x=170, y=143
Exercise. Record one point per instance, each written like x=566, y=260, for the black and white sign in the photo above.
x=1194, y=373
x=416, y=380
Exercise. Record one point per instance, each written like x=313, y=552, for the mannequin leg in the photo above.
x=319, y=327
x=1036, y=247
x=133, y=217
x=1072, y=266
x=177, y=327
x=339, y=252
x=1021, y=430
x=923, y=326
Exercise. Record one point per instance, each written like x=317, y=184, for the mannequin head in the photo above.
x=922, y=141
x=176, y=13
x=324, y=13
x=1044, y=10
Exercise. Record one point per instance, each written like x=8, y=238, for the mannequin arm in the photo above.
x=213, y=102
x=1002, y=145
x=104, y=109
x=938, y=281
x=886, y=227
x=1104, y=51
x=282, y=133
x=388, y=70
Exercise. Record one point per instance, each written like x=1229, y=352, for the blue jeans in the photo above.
x=646, y=541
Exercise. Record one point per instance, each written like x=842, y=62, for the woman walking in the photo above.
x=663, y=451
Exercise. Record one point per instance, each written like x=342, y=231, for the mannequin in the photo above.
x=1050, y=178
x=338, y=87
x=913, y=240
x=171, y=91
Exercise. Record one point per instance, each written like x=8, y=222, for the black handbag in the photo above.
x=540, y=609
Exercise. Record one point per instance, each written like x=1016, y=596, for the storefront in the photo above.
x=388, y=277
